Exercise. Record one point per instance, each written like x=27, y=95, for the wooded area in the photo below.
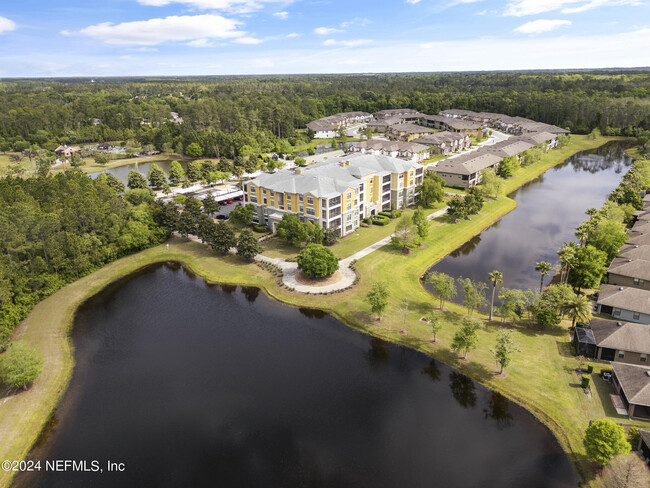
x=243, y=116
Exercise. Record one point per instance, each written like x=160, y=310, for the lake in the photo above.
x=549, y=209
x=197, y=385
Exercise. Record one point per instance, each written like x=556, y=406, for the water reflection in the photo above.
x=549, y=209
x=432, y=371
x=463, y=389
x=498, y=409
x=250, y=292
x=312, y=313
x=379, y=353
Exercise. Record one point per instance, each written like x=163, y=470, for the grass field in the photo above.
x=542, y=377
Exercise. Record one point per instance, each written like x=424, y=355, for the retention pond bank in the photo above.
x=190, y=384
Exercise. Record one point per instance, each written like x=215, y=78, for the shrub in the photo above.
x=396, y=214
x=20, y=365
x=388, y=215
x=380, y=220
x=259, y=228
x=633, y=437
x=590, y=368
x=316, y=261
x=604, y=440
x=606, y=369
x=585, y=381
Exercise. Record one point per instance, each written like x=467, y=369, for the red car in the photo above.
x=228, y=201
x=240, y=197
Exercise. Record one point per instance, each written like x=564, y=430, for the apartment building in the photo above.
x=336, y=193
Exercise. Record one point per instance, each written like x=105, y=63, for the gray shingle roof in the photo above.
x=468, y=164
x=440, y=137
x=634, y=381
x=410, y=128
x=509, y=147
x=629, y=336
x=625, y=298
x=400, y=146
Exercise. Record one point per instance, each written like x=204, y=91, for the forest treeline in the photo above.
x=56, y=229
x=228, y=116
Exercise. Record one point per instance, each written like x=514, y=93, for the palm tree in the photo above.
x=496, y=277
x=543, y=268
x=582, y=234
x=566, y=254
x=577, y=308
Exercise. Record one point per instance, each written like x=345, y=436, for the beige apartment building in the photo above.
x=337, y=193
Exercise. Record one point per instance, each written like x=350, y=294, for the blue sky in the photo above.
x=213, y=37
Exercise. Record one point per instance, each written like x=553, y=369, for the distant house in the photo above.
x=624, y=303
x=632, y=383
x=67, y=151
x=403, y=113
x=465, y=170
x=445, y=142
x=631, y=267
x=381, y=125
x=452, y=124
x=409, y=151
x=97, y=121
x=510, y=147
x=638, y=238
x=541, y=138
x=104, y=146
x=609, y=340
x=407, y=132
x=175, y=118
x=327, y=127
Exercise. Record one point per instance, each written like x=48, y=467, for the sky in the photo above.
x=48, y=38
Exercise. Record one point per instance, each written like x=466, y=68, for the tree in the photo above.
x=317, y=261
x=567, y=255
x=457, y=209
x=474, y=200
x=466, y=338
x=442, y=285
x=166, y=216
x=136, y=181
x=604, y=439
x=330, y=236
x=20, y=365
x=315, y=232
x=210, y=205
x=421, y=223
x=626, y=471
x=403, y=232
x=496, y=278
x=577, y=307
x=377, y=297
x=491, y=183
x=43, y=166
x=112, y=181
x=194, y=150
x=176, y=173
x=223, y=238
x=300, y=162
x=608, y=236
x=242, y=214
x=513, y=304
x=588, y=267
x=205, y=228
x=504, y=349
x=186, y=225
x=474, y=294
x=247, y=245
x=101, y=159
x=157, y=178
x=435, y=324
x=543, y=268
x=290, y=229
x=194, y=171
x=430, y=191
x=508, y=166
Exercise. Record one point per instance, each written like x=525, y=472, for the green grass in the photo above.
x=433, y=159
x=541, y=378
x=305, y=146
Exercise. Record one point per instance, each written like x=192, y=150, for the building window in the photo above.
x=264, y=200
x=616, y=312
x=639, y=282
x=289, y=207
x=643, y=358
x=272, y=193
x=637, y=315
x=349, y=206
x=252, y=187
x=253, y=199
x=310, y=211
x=621, y=354
x=263, y=191
x=348, y=218
x=302, y=209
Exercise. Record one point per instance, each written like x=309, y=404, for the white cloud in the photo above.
x=412, y=2
x=293, y=34
x=200, y=43
x=248, y=40
x=6, y=25
x=325, y=31
x=281, y=15
x=541, y=25
x=241, y=6
x=156, y=31
x=349, y=43
x=519, y=8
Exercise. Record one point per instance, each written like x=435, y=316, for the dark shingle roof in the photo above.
x=635, y=382
x=628, y=336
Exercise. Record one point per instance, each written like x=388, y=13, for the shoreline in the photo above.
x=49, y=324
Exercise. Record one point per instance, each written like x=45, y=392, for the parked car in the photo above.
x=240, y=197
x=228, y=201
x=222, y=217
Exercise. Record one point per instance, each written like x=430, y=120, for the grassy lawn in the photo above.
x=542, y=377
x=433, y=159
x=305, y=146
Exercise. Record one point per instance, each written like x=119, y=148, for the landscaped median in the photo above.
x=540, y=378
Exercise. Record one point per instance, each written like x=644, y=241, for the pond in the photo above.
x=549, y=209
x=190, y=384
x=122, y=172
